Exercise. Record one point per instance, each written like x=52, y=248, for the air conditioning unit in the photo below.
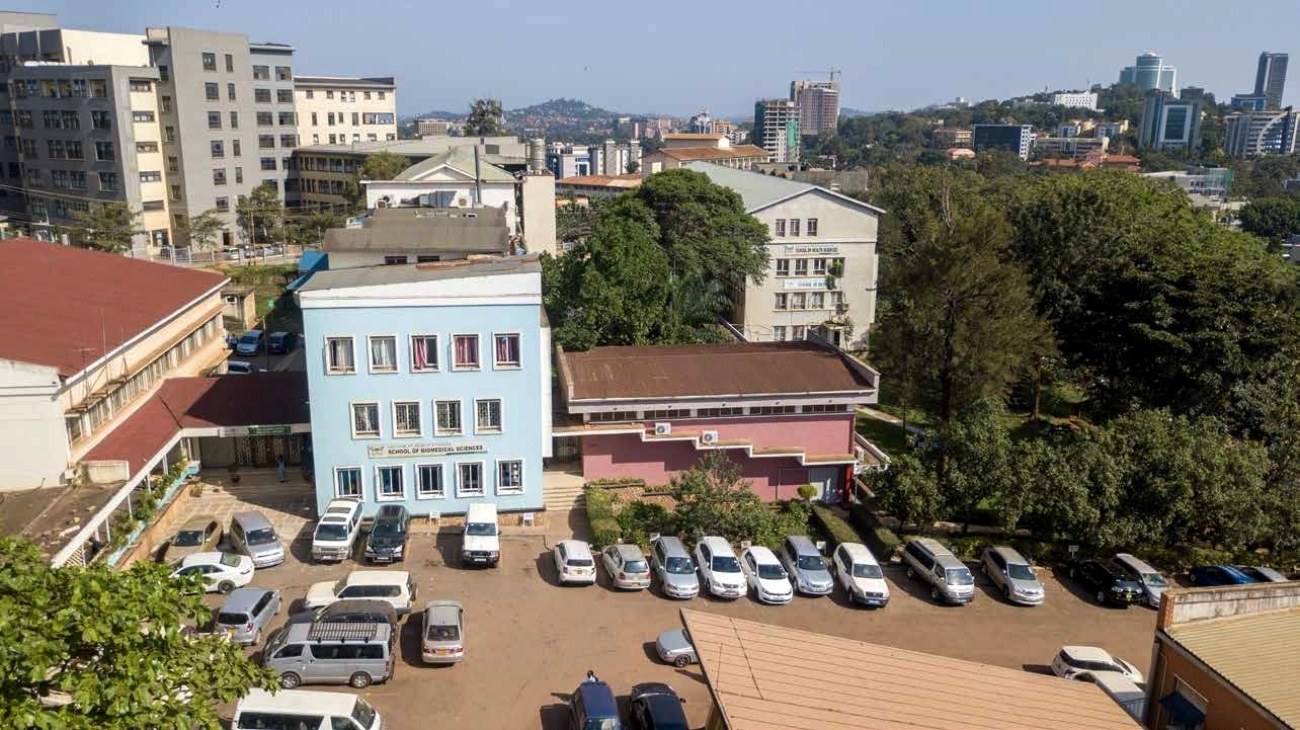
x=663, y=429
x=709, y=437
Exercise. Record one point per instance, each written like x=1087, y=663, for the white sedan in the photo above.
x=766, y=575
x=221, y=572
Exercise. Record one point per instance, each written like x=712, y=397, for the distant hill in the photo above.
x=438, y=115
x=846, y=111
x=574, y=109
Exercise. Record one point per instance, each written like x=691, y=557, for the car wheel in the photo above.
x=910, y=574
x=1006, y=593
x=360, y=680
x=1101, y=596
x=225, y=587
x=681, y=661
x=289, y=680
x=934, y=593
x=984, y=568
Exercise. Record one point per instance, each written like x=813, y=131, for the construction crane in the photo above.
x=832, y=72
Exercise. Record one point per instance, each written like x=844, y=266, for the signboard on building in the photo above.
x=812, y=249
x=397, y=451
x=229, y=431
x=798, y=284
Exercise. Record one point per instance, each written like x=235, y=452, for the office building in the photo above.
x=1150, y=72
x=1248, y=103
x=1076, y=99
x=437, y=127
x=681, y=149
x=776, y=128
x=951, y=137
x=1075, y=147
x=1209, y=183
x=819, y=106
x=1015, y=138
x=1255, y=134
x=1270, y=78
x=1168, y=123
x=345, y=110
x=1113, y=130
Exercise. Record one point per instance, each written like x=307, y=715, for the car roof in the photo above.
x=1114, y=681
x=390, y=511
x=211, y=556
x=858, y=553
x=665, y=709
x=715, y=543
x=1010, y=554
x=358, y=605
x=339, y=505
x=575, y=548
x=301, y=632
x=762, y=554
x=297, y=700
x=251, y=520
x=932, y=546
x=672, y=545
x=1087, y=653
x=199, y=522
x=280, y=333
x=1134, y=562
x=376, y=577
x=598, y=699
x=443, y=613
x=629, y=552
x=802, y=544
x=243, y=599
x=480, y=510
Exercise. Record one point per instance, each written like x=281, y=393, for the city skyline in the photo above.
x=967, y=51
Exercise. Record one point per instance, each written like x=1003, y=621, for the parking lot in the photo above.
x=529, y=641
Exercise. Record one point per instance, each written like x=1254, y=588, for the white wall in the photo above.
x=31, y=427
x=495, y=194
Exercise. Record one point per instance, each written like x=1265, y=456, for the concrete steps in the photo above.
x=564, y=498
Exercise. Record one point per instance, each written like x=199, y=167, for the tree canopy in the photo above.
x=260, y=215
x=107, y=227
x=486, y=118
x=203, y=230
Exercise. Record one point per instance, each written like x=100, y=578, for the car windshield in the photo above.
x=771, y=572
x=679, y=566
x=1020, y=572
x=1154, y=579
x=725, y=564
x=230, y=560
x=486, y=529
x=635, y=566
x=387, y=529
x=364, y=714
x=867, y=570
x=811, y=562
x=248, y=339
x=261, y=536
x=443, y=633
x=331, y=531
x=961, y=577
x=232, y=619
x=188, y=538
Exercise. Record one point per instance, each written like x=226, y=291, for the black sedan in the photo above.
x=656, y=706
x=1107, y=584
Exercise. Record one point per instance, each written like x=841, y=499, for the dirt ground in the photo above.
x=529, y=641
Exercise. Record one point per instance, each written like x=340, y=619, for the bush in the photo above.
x=807, y=491
x=639, y=519
x=605, y=532
x=605, y=529
x=834, y=526
x=880, y=539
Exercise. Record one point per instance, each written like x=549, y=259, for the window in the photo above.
x=136, y=85
x=801, y=267
x=283, y=73
x=313, y=117
x=782, y=301
x=388, y=484
x=75, y=153
x=338, y=356
x=428, y=482
x=146, y=147
x=222, y=204
x=230, y=63
x=770, y=410
x=236, y=148
x=329, y=117
x=266, y=141
x=265, y=119
x=212, y=91
x=173, y=163
x=70, y=120
x=108, y=181
x=56, y=149
x=214, y=120
x=164, y=74
x=798, y=300
x=261, y=73
x=347, y=482
x=424, y=353
x=365, y=420
x=819, y=267
x=209, y=62
x=794, y=226
x=798, y=332
x=100, y=120
x=175, y=194
x=487, y=416
x=29, y=149
x=447, y=418
x=778, y=333
x=329, y=93
x=817, y=300
x=169, y=133
x=470, y=480
x=230, y=92
x=239, y=171
x=268, y=163
x=218, y=149
x=77, y=181
x=219, y=176
x=311, y=94
x=356, y=119
x=783, y=267
x=234, y=120
x=382, y=95
x=284, y=96
x=383, y=354
x=720, y=412
x=98, y=89
x=824, y=408
x=812, y=226
x=396, y=260
x=836, y=300
x=465, y=352
x=150, y=176
x=166, y=104
x=510, y=477
x=507, y=351
x=778, y=227
x=406, y=419
x=289, y=141
x=262, y=96
x=286, y=119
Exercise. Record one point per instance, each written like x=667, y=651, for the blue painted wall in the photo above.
x=520, y=392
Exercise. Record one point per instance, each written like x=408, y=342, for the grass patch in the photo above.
x=889, y=438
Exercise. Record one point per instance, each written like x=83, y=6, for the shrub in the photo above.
x=605, y=529
x=880, y=539
x=617, y=482
x=834, y=526
x=639, y=519
x=807, y=491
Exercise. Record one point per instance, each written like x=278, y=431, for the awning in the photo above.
x=308, y=264
x=1184, y=713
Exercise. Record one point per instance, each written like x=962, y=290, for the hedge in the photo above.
x=882, y=540
x=605, y=529
x=834, y=526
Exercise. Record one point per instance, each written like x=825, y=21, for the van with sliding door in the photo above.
x=304, y=710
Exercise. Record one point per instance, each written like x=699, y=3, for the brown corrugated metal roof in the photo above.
x=765, y=677
x=629, y=180
x=1259, y=654
x=66, y=307
x=692, y=371
x=713, y=153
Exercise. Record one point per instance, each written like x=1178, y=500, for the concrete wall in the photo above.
x=31, y=427
x=1201, y=604
x=346, y=100
x=495, y=194
x=538, y=194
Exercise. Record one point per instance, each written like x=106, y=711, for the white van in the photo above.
x=302, y=710
x=481, y=544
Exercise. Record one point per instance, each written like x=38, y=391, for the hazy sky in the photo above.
x=677, y=58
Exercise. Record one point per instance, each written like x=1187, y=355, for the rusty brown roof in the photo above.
x=713, y=153
x=629, y=180
x=695, y=371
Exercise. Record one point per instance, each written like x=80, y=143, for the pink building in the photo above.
x=783, y=411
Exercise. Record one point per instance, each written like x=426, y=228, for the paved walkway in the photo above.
x=895, y=420
x=290, y=506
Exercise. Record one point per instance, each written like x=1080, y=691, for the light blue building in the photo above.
x=430, y=384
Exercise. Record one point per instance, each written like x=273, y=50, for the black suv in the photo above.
x=388, y=533
x=1107, y=584
x=656, y=706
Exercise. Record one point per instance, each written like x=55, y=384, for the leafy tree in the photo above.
x=633, y=167
x=713, y=499
x=909, y=490
x=975, y=460
x=1273, y=219
x=379, y=166
x=260, y=215
x=107, y=226
x=99, y=649
x=309, y=229
x=486, y=119
x=203, y=230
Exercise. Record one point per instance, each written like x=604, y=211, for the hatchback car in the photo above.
x=860, y=574
x=592, y=706
x=240, y=367
x=389, y=531
x=626, y=566
x=281, y=343
x=444, y=633
x=720, y=568
x=573, y=562
x=221, y=572
x=766, y=575
x=656, y=706
x=1262, y=573
x=674, y=567
x=252, y=534
x=246, y=613
x=199, y=534
x=807, y=566
x=1106, y=583
x=1012, y=574
x=674, y=647
x=349, y=611
x=249, y=343
x=1217, y=575
x=1072, y=660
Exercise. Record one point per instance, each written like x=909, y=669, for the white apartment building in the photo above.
x=344, y=110
x=823, y=266
x=1076, y=99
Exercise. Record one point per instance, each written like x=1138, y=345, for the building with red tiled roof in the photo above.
x=681, y=149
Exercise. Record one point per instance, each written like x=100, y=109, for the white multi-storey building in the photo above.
x=343, y=110
x=1075, y=99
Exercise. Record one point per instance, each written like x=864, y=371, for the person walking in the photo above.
x=280, y=467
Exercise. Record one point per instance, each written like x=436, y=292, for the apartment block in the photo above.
x=1075, y=99
x=776, y=128
x=819, y=106
x=1259, y=133
x=344, y=110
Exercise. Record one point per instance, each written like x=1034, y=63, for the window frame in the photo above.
x=501, y=490
x=400, y=471
x=442, y=481
x=352, y=348
x=361, y=486
x=811, y=228
x=419, y=420
x=436, y=352
x=778, y=228
x=461, y=493
x=518, y=364
x=438, y=428
x=370, y=354
x=478, y=352
x=352, y=413
x=501, y=417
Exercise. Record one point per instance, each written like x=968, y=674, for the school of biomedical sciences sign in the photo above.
x=398, y=451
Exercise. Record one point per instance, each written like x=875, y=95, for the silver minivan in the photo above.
x=674, y=567
x=251, y=534
x=1013, y=575
x=1153, y=584
x=246, y=614
x=327, y=653
x=949, y=578
x=806, y=566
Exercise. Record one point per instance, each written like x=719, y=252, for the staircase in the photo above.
x=563, y=492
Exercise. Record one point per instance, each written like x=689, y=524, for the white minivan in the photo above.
x=860, y=574
x=481, y=543
x=304, y=710
x=337, y=530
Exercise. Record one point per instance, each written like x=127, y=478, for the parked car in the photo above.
x=252, y=534
x=250, y=343
x=949, y=578
x=766, y=575
x=674, y=566
x=353, y=654
x=221, y=572
x=349, y=611
x=260, y=709
x=1106, y=583
x=655, y=706
x=592, y=706
x=860, y=574
x=719, y=568
x=1153, y=584
x=393, y=586
x=1262, y=573
x=573, y=562
x=240, y=367
x=806, y=565
x=281, y=343
x=1217, y=575
x=626, y=566
x=444, y=633
x=388, y=536
x=199, y=534
x=246, y=613
x=337, y=530
x=1013, y=575
x=674, y=647
x=481, y=542
x=1071, y=660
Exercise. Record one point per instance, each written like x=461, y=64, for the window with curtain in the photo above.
x=471, y=480
x=338, y=355
x=465, y=352
x=488, y=416
x=388, y=483
x=365, y=419
x=507, y=350
x=510, y=477
x=447, y=417
x=424, y=353
x=347, y=482
x=383, y=354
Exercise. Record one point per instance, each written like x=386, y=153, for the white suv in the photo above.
x=337, y=530
x=719, y=568
x=860, y=575
x=392, y=586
